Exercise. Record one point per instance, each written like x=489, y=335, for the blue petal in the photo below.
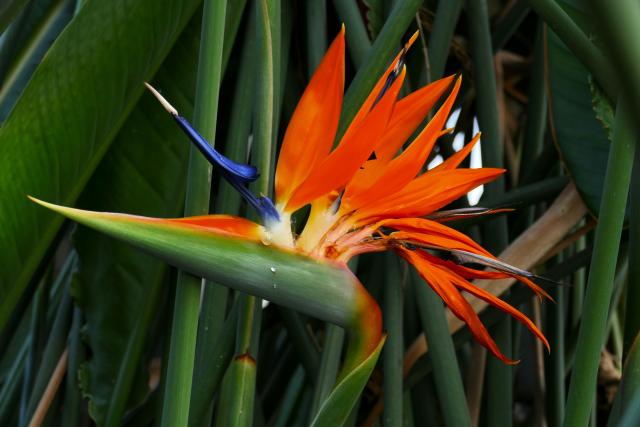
x=239, y=171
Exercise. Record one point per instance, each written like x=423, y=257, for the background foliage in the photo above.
x=85, y=321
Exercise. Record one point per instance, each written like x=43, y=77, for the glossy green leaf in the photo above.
x=67, y=116
x=344, y=396
x=113, y=299
x=581, y=139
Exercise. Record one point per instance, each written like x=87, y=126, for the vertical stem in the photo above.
x=499, y=375
x=316, y=33
x=131, y=358
x=444, y=24
x=72, y=397
x=187, y=300
x=442, y=353
x=356, y=34
x=393, y=352
x=555, y=378
x=602, y=270
x=632, y=309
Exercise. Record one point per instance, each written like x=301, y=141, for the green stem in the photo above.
x=446, y=371
x=302, y=340
x=554, y=363
x=238, y=393
x=602, y=270
x=357, y=38
x=444, y=25
x=329, y=364
x=56, y=344
x=509, y=23
x=619, y=24
x=632, y=308
x=211, y=373
x=131, y=358
x=73, y=398
x=187, y=300
x=393, y=352
x=536, y=108
x=578, y=42
x=316, y=33
x=499, y=375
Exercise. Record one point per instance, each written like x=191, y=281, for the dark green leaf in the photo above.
x=146, y=164
x=67, y=116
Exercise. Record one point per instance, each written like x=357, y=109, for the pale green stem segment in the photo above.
x=238, y=393
x=602, y=271
x=187, y=300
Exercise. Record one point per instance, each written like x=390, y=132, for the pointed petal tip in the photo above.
x=413, y=38
x=167, y=106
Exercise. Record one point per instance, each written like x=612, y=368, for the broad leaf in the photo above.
x=143, y=172
x=67, y=116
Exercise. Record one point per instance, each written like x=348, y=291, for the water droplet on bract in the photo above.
x=273, y=270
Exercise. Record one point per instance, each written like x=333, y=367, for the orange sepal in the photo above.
x=224, y=224
x=312, y=129
x=339, y=167
x=439, y=280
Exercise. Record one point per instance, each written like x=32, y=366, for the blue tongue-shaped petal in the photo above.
x=236, y=174
x=242, y=172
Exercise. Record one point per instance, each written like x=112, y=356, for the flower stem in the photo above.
x=187, y=300
x=602, y=271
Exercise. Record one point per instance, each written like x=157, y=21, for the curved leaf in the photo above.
x=68, y=114
x=345, y=395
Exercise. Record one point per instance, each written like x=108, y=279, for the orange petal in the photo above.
x=455, y=160
x=426, y=193
x=498, y=303
x=402, y=169
x=339, y=167
x=226, y=224
x=429, y=228
x=409, y=112
x=366, y=105
x=312, y=129
x=440, y=281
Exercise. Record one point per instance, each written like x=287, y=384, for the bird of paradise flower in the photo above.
x=366, y=195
